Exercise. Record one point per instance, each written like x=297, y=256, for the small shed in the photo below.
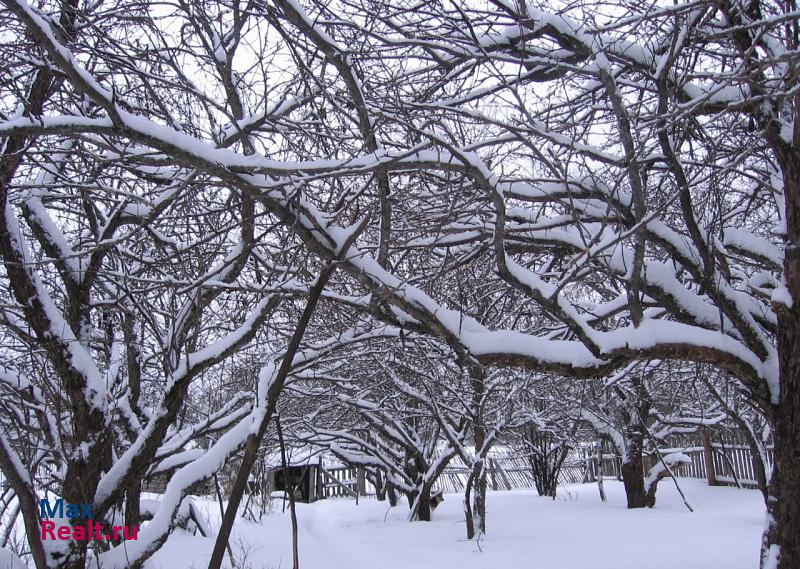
x=314, y=476
x=302, y=478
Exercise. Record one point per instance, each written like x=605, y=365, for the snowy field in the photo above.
x=575, y=531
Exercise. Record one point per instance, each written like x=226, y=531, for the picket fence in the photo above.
x=725, y=459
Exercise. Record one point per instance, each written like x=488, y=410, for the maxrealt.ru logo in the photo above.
x=90, y=531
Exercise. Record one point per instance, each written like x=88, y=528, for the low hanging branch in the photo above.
x=677, y=460
x=255, y=438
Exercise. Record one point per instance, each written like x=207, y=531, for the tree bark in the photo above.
x=424, y=504
x=781, y=543
x=391, y=494
x=634, y=412
x=468, y=517
x=759, y=467
x=132, y=502
x=380, y=486
x=479, y=505
x=708, y=456
x=600, y=485
x=784, y=499
x=651, y=491
x=477, y=375
x=633, y=472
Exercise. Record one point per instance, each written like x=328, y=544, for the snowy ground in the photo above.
x=524, y=531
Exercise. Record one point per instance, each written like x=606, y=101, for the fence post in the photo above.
x=361, y=481
x=492, y=475
x=320, y=483
x=708, y=456
x=589, y=464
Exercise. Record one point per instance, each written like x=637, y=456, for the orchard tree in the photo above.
x=630, y=173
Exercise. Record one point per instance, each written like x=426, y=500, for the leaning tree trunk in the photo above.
x=133, y=496
x=757, y=453
x=391, y=493
x=270, y=405
x=468, y=517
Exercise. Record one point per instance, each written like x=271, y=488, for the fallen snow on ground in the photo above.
x=525, y=531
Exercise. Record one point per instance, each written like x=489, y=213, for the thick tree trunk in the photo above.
x=79, y=488
x=424, y=504
x=633, y=472
x=781, y=543
x=634, y=413
x=419, y=502
x=132, y=502
x=783, y=504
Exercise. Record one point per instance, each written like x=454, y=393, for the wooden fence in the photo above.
x=343, y=481
x=722, y=458
x=503, y=473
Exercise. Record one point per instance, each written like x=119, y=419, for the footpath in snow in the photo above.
x=574, y=531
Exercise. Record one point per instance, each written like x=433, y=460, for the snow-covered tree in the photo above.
x=625, y=180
